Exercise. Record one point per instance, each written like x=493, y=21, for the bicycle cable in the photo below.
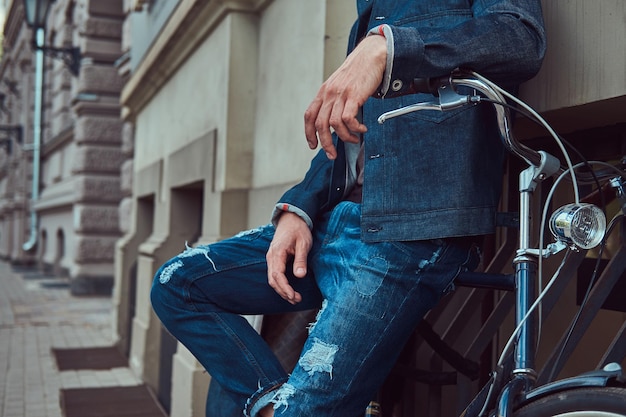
x=524, y=111
x=542, y=294
x=542, y=229
x=545, y=124
x=590, y=286
x=532, y=115
x=514, y=335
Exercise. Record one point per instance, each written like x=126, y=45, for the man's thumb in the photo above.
x=299, y=266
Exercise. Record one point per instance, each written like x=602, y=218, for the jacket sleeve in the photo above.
x=323, y=186
x=504, y=41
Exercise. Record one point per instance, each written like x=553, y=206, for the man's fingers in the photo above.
x=292, y=238
x=310, y=119
x=300, y=259
x=278, y=281
x=353, y=125
x=332, y=109
x=276, y=266
x=337, y=103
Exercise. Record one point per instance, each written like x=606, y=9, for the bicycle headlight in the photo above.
x=581, y=224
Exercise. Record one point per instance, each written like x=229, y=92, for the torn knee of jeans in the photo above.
x=319, y=358
x=166, y=273
x=201, y=250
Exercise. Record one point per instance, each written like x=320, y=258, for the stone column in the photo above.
x=127, y=248
x=134, y=232
x=97, y=136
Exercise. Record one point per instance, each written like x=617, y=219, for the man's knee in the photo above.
x=162, y=296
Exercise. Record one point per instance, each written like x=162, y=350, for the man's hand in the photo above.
x=338, y=100
x=292, y=238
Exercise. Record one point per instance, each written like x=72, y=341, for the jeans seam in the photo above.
x=235, y=337
x=378, y=341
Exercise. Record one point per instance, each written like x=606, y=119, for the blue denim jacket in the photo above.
x=429, y=174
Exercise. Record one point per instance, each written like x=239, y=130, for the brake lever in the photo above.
x=429, y=105
x=449, y=99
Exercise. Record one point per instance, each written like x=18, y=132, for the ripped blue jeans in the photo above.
x=370, y=295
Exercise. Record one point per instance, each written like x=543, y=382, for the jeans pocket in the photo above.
x=368, y=283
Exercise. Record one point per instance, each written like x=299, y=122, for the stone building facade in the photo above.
x=212, y=105
x=184, y=126
x=68, y=223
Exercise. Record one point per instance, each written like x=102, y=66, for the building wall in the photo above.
x=581, y=84
x=185, y=126
x=214, y=107
x=16, y=68
x=77, y=192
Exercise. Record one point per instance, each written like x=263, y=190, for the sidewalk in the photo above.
x=38, y=313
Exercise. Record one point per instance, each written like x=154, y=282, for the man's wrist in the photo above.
x=281, y=208
x=386, y=32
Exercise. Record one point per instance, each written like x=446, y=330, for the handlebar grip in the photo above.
x=428, y=85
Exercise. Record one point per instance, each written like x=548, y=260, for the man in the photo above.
x=383, y=221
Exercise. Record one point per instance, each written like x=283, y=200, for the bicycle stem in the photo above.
x=525, y=274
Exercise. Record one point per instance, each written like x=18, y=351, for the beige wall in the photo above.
x=242, y=94
x=189, y=105
x=290, y=71
x=212, y=123
x=582, y=83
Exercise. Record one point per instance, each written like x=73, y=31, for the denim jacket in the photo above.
x=430, y=174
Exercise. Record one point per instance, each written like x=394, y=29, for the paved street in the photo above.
x=38, y=313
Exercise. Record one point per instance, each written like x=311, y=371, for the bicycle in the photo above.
x=512, y=388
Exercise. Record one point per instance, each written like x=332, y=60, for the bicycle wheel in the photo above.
x=580, y=402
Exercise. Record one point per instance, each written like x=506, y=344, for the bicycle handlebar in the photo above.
x=444, y=88
x=428, y=85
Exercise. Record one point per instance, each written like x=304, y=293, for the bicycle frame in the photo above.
x=541, y=165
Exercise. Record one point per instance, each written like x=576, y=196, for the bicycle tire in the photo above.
x=579, y=402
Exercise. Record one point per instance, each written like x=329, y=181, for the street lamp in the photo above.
x=36, y=13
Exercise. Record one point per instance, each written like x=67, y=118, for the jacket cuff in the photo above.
x=386, y=84
x=405, y=55
x=282, y=207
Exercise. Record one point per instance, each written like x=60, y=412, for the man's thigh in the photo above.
x=231, y=275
